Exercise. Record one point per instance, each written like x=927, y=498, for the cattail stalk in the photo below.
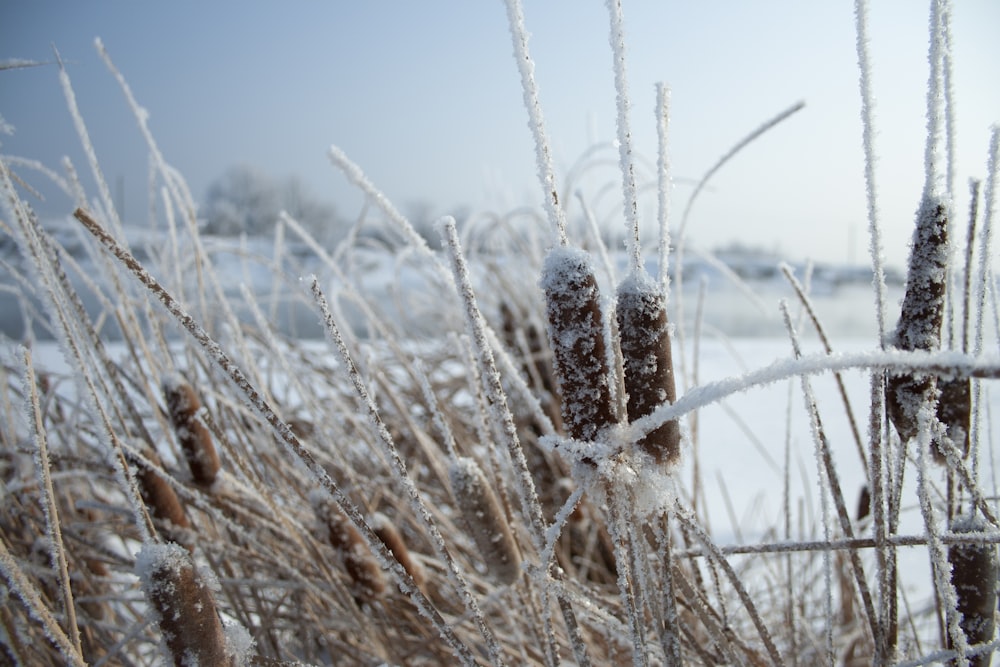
x=485, y=520
x=974, y=571
x=184, y=604
x=195, y=439
x=576, y=334
x=644, y=337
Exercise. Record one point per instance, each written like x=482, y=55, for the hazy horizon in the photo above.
x=427, y=101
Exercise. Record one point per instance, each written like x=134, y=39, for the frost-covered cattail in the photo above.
x=576, y=333
x=196, y=441
x=367, y=580
x=392, y=538
x=159, y=496
x=644, y=337
x=954, y=410
x=184, y=605
x=919, y=326
x=974, y=571
x=485, y=520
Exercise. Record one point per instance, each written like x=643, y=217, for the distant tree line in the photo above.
x=245, y=200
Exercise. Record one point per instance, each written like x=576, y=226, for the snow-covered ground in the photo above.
x=742, y=304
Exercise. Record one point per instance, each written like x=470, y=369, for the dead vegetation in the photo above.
x=209, y=490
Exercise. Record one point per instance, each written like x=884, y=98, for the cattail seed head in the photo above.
x=367, y=580
x=160, y=498
x=954, y=410
x=974, y=571
x=195, y=439
x=392, y=539
x=921, y=316
x=576, y=334
x=485, y=520
x=644, y=337
x=184, y=604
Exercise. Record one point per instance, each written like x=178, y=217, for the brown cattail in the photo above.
x=392, y=539
x=919, y=326
x=974, y=571
x=954, y=410
x=485, y=520
x=649, y=372
x=184, y=605
x=193, y=435
x=159, y=496
x=576, y=334
x=367, y=580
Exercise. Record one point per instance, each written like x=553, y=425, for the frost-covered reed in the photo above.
x=507, y=469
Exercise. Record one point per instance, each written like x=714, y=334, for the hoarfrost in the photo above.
x=543, y=154
x=576, y=331
x=158, y=557
x=919, y=326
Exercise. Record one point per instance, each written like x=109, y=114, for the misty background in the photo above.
x=426, y=99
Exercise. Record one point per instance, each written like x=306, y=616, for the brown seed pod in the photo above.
x=367, y=580
x=185, y=607
x=392, y=539
x=159, y=496
x=974, y=571
x=954, y=410
x=644, y=337
x=919, y=326
x=485, y=520
x=195, y=439
x=576, y=334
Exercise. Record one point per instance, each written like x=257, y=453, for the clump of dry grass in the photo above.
x=454, y=525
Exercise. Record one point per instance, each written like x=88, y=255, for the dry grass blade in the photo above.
x=22, y=586
x=52, y=520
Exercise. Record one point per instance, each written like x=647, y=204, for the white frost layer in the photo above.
x=565, y=266
x=154, y=557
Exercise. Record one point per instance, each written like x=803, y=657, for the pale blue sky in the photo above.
x=426, y=98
